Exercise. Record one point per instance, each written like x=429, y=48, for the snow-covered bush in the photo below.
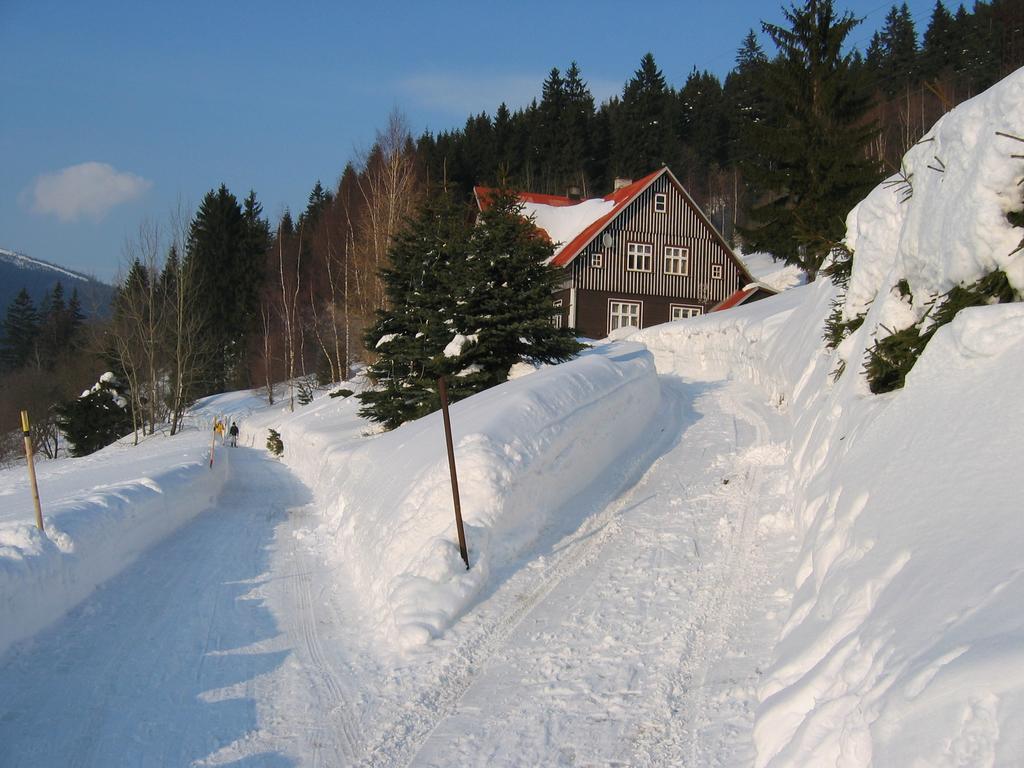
x=97, y=418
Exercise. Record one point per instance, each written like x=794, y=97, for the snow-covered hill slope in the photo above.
x=19, y=271
x=904, y=644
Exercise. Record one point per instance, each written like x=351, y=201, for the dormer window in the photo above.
x=660, y=202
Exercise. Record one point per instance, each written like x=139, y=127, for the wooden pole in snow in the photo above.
x=31, y=468
x=442, y=389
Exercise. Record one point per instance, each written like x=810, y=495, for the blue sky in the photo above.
x=113, y=111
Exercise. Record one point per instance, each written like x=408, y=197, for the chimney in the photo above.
x=620, y=183
x=573, y=193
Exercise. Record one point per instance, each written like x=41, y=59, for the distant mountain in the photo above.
x=19, y=271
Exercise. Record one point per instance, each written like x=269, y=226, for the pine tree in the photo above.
x=97, y=418
x=508, y=302
x=226, y=280
x=55, y=329
x=898, y=39
x=939, y=53
x=463, y=305
x=816, y=171
x=75, y=318
x=21, y=332
x=551, y=140
x=645, y=138
x=575, y=126
x=428, y=273
x=703, y=122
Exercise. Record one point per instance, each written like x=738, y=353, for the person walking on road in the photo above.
x=234, y=434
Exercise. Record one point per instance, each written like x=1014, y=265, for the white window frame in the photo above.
x=716, y=271
x=556, y=303
x=642, y=253
x=660, y=202
x=556, y=320
x=683, y=257
x=616, y=314
x=597, y=261
x=685, y=311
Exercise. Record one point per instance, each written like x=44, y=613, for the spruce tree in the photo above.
x=745, y=97
x=428, y=273
x=645, y=139
x=813, y=169
x=508, y=301
x=898, y=64
x=575, y=126
x=462, y=304
x=226, y=283
x=939, y=53
x=55, y=327
x=21, y=332
x=97, y=418
x=703, y=122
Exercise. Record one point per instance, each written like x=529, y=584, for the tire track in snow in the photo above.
x=411, y=726
x=336, y=702
x=708, y=635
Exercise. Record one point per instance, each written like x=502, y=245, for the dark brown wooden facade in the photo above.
x=599, y=274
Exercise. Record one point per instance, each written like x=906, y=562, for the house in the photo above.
x=642, y=255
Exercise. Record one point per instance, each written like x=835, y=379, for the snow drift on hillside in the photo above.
x=905, y=641
x=519, y=456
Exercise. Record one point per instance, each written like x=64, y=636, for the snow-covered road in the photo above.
x=628, y=636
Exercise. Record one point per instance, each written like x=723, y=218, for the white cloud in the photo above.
x=88, y=189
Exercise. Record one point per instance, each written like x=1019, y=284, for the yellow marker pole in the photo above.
x=31, y=468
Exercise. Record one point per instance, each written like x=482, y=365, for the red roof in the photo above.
x=735, y=299
x=621, y=197
x=740, y=296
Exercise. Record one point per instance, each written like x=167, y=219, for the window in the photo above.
x=556, y=320
x=660, y=202
x=682, y=311
x=597, y=260
x=623, y=313
x=677, y=260
x=716, y=271
x=638, y=257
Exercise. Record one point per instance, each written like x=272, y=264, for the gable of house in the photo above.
x=644, y=254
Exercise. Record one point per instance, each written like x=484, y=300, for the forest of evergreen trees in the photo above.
x=223, y=298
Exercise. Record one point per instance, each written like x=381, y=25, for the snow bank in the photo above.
x=95, y=532
x=523, y=449
x=905, y=640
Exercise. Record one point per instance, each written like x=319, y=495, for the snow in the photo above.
x=692, y=545
x=385, y=339
x=458, y=343
x=21, y=259
x=519, y=461
x=99, y=514
x=564, y=222
x=903, y=643
x=777, y=275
